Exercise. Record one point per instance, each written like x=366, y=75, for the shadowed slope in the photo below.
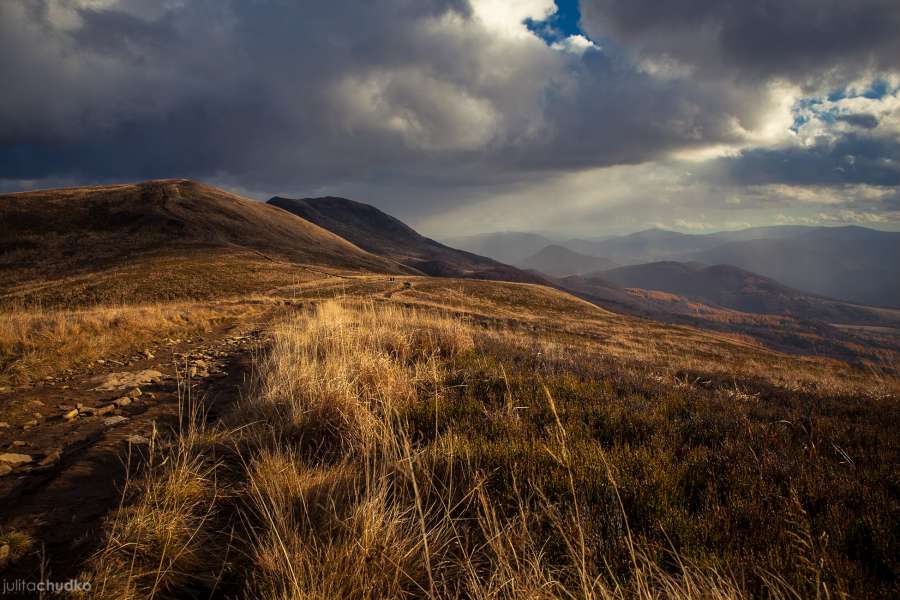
x=382, y=234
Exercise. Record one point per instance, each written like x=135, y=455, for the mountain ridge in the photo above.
x=559, y=261
x=384, y=235
x=734, y=288
x=854, y=264
x=132, y=232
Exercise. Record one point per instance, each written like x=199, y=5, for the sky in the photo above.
x=574, y=117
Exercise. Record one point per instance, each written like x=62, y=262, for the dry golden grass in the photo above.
x=159, y=541
x=35, y=343
x=178, y=275
x=343, y=476
x=349, y=500
x=339, y=372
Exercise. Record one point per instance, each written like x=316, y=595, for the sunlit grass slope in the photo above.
x=454, y=442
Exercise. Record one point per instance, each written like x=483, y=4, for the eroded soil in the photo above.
x=81, y=439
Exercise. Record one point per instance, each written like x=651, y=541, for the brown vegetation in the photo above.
x=37, y=343
x=121, y=235
x=393, y=452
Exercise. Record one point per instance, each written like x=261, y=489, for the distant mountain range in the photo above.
x=642, y=246
x=508, y=247
x=734, y=288
x=851, y=263
x=379, y=233
x=721, y=297
x=854, y=264
x=559, y=261
x=646, y=246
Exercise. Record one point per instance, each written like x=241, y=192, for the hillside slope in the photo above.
x=644, y=246
x=382, y=234
x=850, y=263
x=729, y=300
x=731, y=287
x=559, y=261
x=167, y=233
x=656, y=244
x=362, y=404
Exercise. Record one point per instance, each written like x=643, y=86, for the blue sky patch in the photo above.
x=878, y=89
x=563, y=23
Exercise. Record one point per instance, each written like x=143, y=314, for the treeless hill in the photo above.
x=644, y=246
x=559, y=261
x=731, y=287
x=382, y=234
x=855, y=264
x=732, y=301
x=159, y=240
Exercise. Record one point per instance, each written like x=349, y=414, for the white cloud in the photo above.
x=576, y=44
x=507, y=17
x=800, y=194
x=820, y=117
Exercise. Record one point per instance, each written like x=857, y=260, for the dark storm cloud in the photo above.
x=862, y=120
x=211, y=87
x=275, y=93
x=799, y=39
x=422, y=100
x=852, y=159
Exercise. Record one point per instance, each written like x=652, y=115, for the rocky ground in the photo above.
x=65, y=443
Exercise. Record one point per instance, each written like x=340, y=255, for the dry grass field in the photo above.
x=296, y=418
x=38, y=343
x=459, y=439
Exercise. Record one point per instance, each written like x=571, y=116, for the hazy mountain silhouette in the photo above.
x=731, y=287
x=851, y=263
x=559, y=261
x=508, y=246
x=854, y=264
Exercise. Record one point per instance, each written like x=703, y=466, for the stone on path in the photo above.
x=52, y=457
x=126, y=379
x=14, y=460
